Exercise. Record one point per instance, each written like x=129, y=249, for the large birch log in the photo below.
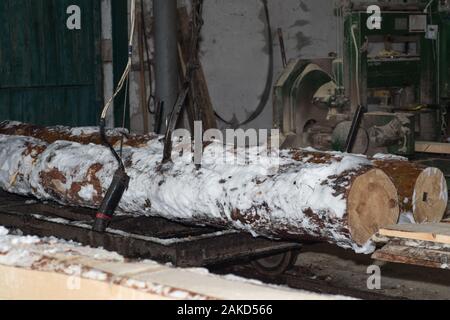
x=422, y=191
x=342, y=199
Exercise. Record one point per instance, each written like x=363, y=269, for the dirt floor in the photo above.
x=342, y=268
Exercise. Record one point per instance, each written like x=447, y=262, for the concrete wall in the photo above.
x=235, y=53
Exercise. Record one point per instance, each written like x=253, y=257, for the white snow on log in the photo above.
x=383, y=156
x=17, y=162
x=11, y=123
x=226, y=182
x=84, y=131
x=87, y=192
x=73, y=131
x=3, y=231
x=75, y=162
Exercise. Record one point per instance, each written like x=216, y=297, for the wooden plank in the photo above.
x=414, y=256
x=432, y=147
x=433, y=232
x=96, y=274
x=39, y=285
x=162, y=283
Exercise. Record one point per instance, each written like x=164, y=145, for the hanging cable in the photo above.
x=120, y=180
x=358, y=93
x=268, y=87
x=120, y=85
x=124, y=115
x=128, y=66
x=428, y=6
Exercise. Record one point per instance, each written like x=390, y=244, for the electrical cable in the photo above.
x=120, y=179
x=427, y=6
x=128, y=66
x=358, y=93
x=124, y=115
x=120, y=85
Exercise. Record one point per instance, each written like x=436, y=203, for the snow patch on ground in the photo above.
x=368, y=248
x=407, y=218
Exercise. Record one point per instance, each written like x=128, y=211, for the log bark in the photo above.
x=83, y=135
x=301, y=195
x=422, y=190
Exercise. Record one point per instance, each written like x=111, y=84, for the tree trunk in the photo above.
x=342, y=199
x=421, y=190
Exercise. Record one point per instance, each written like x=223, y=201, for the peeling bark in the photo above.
x=84, y=135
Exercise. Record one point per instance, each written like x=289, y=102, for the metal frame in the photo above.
x=138, y=237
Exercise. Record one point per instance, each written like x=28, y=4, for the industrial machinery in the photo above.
x=397, y=70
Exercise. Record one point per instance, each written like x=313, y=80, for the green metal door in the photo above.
x=50, y=74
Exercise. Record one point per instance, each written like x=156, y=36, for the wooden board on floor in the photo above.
x=106, y=278
x=433, y=232
x=432, y=147
x=412, y=255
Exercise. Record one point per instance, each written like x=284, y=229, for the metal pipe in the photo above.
x=166, y=65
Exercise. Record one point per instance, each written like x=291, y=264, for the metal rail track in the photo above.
x=295, y=278
x=137, y=237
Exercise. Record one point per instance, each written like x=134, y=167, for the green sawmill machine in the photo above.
x=399, y=73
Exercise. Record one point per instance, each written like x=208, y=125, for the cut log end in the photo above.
x=430, y=196
x=372, y=204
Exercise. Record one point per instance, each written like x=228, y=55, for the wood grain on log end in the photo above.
x=404, y=175
x=372, y=204
x=430, y=196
